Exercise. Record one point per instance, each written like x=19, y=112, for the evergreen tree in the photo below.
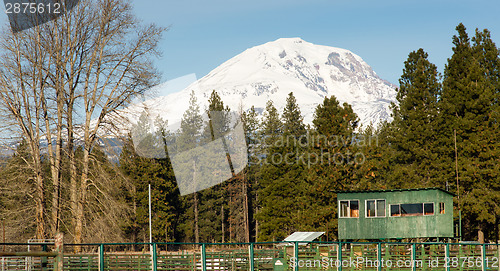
x=333, y=120
x=372, y=169
x=214, y=201
x=468, y=107
x=413, y=132
x=282, y=203
x=218, y=118
x=272, y=127
x=251, y=174
x=190, y=137
x=251, y=126
x=165, y=195
x=191, y=124
x=333, y=161
x=293, y=122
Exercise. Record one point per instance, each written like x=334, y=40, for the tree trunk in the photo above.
x=56, y=161
x=40, y=203
x=80, y=218
x=73, y=174
x=38, y=169
x=196, y=231
x=73, y=180
x=222, y=224
x=480, y=234
x=246, y=214
x=56, y=166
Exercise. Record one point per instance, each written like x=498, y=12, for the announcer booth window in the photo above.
x=395, y=210
x=349, y=208
x=375, y=208
x=429, y=208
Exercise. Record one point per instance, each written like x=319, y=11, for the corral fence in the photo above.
x=269, y=256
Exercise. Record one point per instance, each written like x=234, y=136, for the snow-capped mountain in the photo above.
x=272, y=70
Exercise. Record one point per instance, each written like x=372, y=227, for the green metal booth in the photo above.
x=395, y=214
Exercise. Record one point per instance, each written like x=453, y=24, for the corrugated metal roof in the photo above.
x=301, y=236
x=395, y=190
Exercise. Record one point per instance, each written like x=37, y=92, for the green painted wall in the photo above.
x=437, y=225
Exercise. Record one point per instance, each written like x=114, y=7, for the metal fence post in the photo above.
x=203, y=257
x=379, y=256
x=101, y=257
x=413, y=257
x=339, y=257
x=447, y=256
x=483, y=257
x=296, y=254
x=498, y=252
x=154, y=258
x=251, y=254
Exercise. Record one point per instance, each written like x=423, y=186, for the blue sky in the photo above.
x=203, y=34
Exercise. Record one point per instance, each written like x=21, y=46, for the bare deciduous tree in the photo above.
x=59, y=84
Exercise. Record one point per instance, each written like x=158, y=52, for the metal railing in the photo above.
x=255, y=256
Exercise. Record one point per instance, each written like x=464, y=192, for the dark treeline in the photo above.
x=445, y=133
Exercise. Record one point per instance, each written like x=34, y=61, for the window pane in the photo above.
x=428, y=208
x=413, y=209
x=441, y=207
x=344, y=208
x=395, y=210
x=380, y=207
x=370, y=208
x=354, y=208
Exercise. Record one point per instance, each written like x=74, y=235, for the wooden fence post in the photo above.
x=59, y=259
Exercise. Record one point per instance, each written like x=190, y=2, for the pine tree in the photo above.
x=271, y=131
x=190, y=137
x=214, y=200
x=413, y=132
x=191, y=124
x=333, y=161
x=251, y=126
x=272, y=127
x=372, y=170
x=331, y=119
x=468, y=105
x=282, y=203
x=293, y=121
x=250, y=175
x=218, y=118
x=158, y=172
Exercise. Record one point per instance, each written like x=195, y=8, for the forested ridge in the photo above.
x=445, y=133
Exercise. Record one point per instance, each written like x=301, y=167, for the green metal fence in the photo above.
x=255, y=256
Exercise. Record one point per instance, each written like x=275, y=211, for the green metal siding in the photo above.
x=437, y=225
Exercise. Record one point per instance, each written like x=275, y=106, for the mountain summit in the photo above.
x=272, y=70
